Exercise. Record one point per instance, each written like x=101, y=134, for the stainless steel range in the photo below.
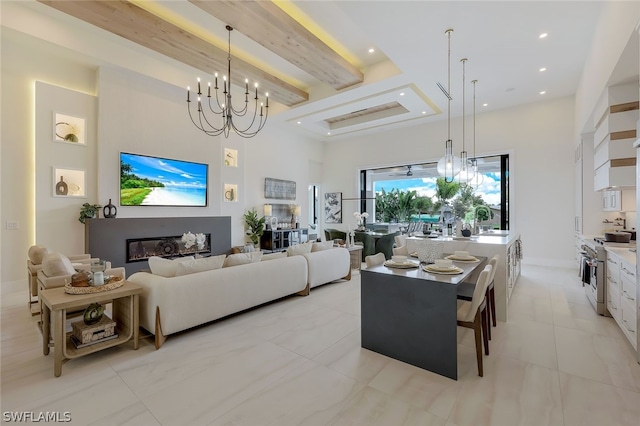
x=594, y=277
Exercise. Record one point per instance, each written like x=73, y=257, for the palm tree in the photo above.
x=445, y=191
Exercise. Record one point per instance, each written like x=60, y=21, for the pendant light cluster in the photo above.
x=451, y=167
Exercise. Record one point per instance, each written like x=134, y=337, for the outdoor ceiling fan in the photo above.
x=409, y=171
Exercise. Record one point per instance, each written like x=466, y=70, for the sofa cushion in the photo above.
x=57, y=264
x=242, y=258
x=36, y=254
x=166, y=267
x=319, y=246
x=200, y=265
x=272, y=256
x=299, y=249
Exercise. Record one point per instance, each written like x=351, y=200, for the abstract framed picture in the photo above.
x=279, y=189
x=69, y=129
x=69, y=183
x=333, y=207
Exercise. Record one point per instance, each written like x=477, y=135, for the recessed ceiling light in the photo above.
x=328, y=133
x=543, y=92
x=543, y=35
x=485, y=104
x=299, y=122
x=371, y=50
x=424, y=112
x=543, y=69
x=401, y=93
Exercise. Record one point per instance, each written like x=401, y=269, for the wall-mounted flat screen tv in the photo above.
x=155, y=181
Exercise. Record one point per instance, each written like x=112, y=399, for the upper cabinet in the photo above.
x=615, y=118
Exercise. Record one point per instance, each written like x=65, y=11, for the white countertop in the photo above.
x=623, y=253
x=479, y=239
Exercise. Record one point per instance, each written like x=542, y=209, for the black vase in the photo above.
x=110, y=210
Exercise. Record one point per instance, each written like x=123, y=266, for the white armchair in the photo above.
x=36, y=254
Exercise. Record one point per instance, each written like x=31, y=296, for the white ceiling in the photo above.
x=500, y=40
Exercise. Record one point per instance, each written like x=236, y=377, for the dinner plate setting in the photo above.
x=402, y=265
x=449, y=270
x=465, y=259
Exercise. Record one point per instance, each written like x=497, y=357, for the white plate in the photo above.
x=404, y=265
x=432, y=270
x=470, y=259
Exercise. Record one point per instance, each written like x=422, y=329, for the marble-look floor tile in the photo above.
x=590, y=403
x=201, y=398
x=527, y=341
x=134, y=415
x=420, y=388
x=585, y=318
x=372, y=407
x=349, y=358
x=511, y=392
x=312, y=394
x=525, y=308
x=601, y=358
x=318, y=332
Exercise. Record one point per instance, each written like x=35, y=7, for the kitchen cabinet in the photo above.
x=622, y=293
x=611, y=201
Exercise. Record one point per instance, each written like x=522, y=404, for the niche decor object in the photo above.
x=333, y=207
x=279, y=189
x=69, y=183
x=69, y=129
x=230, y=193
x=230, y=157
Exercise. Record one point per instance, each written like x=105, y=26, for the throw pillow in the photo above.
x=271, y=256
x=166, y=267
x=56, y=264
x=325, y=245
x=36, y=254
x=200, y=265
x=299, y=249
x=242, y=258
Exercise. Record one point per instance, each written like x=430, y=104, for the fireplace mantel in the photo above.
x=106, y=238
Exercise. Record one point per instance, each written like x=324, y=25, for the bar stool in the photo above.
x=465, y=291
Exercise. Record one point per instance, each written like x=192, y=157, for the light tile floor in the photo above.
x=298, y=362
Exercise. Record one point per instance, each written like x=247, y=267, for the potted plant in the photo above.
x=255, y=226
x=88, y=211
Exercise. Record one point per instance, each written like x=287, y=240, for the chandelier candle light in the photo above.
x=223, y=108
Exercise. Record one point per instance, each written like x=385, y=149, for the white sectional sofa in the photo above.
x=172, y=304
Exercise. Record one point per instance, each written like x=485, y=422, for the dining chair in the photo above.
x=473, y=315
x=385, y=244
x=375, y=260
x=400, y=240
x=465, y=292
x=368, y=243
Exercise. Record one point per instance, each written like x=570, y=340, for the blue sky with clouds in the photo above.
x=489, y=188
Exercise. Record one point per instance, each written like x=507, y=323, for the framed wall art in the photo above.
x=69, y=129
x=279, y=189
x=69, y=183
x=333, y=207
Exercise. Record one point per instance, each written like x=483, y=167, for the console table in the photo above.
x=279, y=239
x=56, y=303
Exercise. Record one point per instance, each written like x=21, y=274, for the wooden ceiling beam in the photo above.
x=139, y=26
x=267, y=24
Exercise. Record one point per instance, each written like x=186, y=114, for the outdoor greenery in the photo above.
x=254, y=226
x=460, y=199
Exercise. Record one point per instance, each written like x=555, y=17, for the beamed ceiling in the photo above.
x=130, y=21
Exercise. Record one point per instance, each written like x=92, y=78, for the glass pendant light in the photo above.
x=449, y=165
x=466, y=171
x=478, y=177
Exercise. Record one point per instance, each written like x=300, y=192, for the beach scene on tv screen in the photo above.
x=153, y=181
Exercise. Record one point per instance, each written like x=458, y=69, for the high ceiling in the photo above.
x=313, y=56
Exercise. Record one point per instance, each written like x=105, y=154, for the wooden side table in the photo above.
x=56, y=303
x=356, y=256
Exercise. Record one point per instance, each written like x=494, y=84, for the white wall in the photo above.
x=538, y=138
